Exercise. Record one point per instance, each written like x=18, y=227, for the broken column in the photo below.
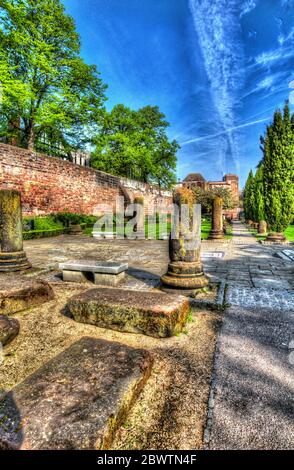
x=12, y=256
x=139, y=227
x=262, y=227
x=217, y=232
x=185, y=270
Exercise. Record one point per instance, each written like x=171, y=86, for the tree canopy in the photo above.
x=278, y=170
x=206, y=197
x=135, y=144
x=269, y=195
x=50, y=95
x=46, y=85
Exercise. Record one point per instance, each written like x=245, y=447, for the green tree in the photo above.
x=135, y=144
x=249, y=199
x=206, y=197
x=258, y=207
x=47, y=87
x=278, y=170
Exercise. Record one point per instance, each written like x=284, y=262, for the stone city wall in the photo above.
x=50, y=185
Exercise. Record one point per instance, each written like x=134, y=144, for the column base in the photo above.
x=276, y=237
x=216, y=235
x=12, y=262
x=184, y=278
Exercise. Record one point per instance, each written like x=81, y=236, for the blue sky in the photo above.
x=216, y=68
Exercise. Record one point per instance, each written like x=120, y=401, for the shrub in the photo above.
x=41, y=223
x=35, y=234
x=69, y=218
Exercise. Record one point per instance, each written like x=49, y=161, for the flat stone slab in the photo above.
x=287, y=255
x=261, y=298
x=18, y=293
x=75, y=401
x=151, y=313
x=271, y=283
x=9, y=329
x=103, y=267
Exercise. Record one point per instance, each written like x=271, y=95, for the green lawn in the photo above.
x=152, y=229
x=289, y=233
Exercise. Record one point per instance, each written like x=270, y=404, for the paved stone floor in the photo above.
x=251, y=404
x=245, y=263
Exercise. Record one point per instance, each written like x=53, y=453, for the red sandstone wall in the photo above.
x=50, y=185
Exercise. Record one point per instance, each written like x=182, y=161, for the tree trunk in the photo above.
x=31, y=138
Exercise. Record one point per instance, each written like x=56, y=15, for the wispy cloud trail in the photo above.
x=210, y=136
x=217, y=24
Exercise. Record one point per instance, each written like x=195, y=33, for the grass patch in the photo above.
x=289, y=233
x=160, y=231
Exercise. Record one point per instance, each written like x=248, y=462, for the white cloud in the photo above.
x=275, y=55
x=211, y=136
x=219, y=35
x=248, y=6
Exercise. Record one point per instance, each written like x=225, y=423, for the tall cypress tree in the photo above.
x=258, y=195
x=278, y=171
x=249, y=197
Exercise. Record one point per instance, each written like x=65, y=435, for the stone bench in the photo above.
x=75, y=401
x=103, y=273
x=151, y=313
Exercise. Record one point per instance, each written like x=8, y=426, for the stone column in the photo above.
x=276, y=237
x=185, y=270
x=262, y=227
x=12, y=256
x=217, y=232
x=139, y=227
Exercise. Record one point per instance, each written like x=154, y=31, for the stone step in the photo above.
x=75, y=401
x=18, y=293
x=151, y=313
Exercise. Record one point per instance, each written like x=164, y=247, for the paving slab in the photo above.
x=151, y=313
x=279, y=300
x=18, y=293
x=75, y=401
x=271, y=283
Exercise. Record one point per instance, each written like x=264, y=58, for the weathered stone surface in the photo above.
x=150, y=313
x=94, y=266
x=275, y=237
x=108, y=279
x=12, y=256
x=47, y=184
x=217, y=219
x=262, y=227
x=74, y=276
x=75, y=401
x=9, y=329
x=185, y=271
x=287, y=255
x=75, y=229
x=18, y=293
